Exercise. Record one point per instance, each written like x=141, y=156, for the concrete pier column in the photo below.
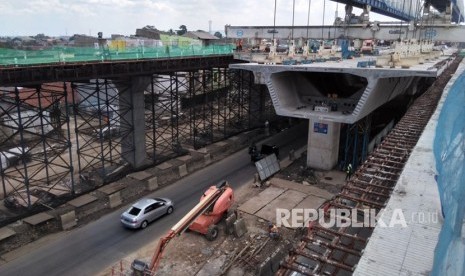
x=258, y=95
x=323, y=144
x=131, y=99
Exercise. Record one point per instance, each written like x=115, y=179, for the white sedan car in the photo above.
x=146, y=210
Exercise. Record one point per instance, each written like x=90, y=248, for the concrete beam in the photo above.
x=379, y=31
x=331, y=93
x=346, y=92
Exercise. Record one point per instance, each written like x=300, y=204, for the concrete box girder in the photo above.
x=296, y=89
x=330, y=93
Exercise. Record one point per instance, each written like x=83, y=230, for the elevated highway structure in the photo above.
x=331, y=93
x=402, y=10
x=453, y=7
x=409, y=10
x=377, y=30
x=70, y=127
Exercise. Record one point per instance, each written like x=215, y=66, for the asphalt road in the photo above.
x=98, y=245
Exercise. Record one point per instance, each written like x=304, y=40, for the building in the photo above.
x=206, y=38
x=85, y=40
x=148, y=32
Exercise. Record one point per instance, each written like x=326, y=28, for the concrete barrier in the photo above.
x=240, y=228
x=85, y=205
x=182, y=170
x=115, y=199
x=6, y=233
x=230, y=223
x=152, y=183
x=207, y=159
x=68, y=220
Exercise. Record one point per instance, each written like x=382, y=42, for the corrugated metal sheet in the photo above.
x=201, y=35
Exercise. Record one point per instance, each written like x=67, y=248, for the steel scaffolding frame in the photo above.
x=35, y=149
x=247, y=99
x=163, y=116
x=194, y=109
x=79, y=147
x=100, y=129
x=357, y=137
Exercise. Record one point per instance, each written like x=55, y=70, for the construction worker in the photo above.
x=348, y=171
x=239, y=45
x=267, y=128
x=253, y=152
x=273, y=231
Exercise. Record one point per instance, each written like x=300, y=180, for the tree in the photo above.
x=182, y=30
x=218, y=35
x=170, y=32
x=41, y=36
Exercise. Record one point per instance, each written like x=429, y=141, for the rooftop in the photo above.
x=201, y=35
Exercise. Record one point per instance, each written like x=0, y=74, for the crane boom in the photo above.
x=205, y=203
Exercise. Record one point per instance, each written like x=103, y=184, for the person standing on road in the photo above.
x=348, y=171
x=253, y=151
x=267, y=128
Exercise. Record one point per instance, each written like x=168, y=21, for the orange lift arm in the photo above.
x=184, y=223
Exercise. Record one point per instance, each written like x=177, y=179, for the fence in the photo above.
x=13, y=57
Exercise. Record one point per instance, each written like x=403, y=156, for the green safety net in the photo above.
x=13, y=57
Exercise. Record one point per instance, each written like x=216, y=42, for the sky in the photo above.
x=68, y=17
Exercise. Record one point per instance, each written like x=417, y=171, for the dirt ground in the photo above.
x=187, y=254
x=192, y=254
x=298, y=172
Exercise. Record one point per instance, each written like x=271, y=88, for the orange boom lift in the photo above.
x=213, y=206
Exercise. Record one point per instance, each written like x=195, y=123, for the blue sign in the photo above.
x=320, y=128
x=240, y=33
x=396, y=32
x=429, y=33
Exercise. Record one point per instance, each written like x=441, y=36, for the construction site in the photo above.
x=250, y=250
x=251, y=148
